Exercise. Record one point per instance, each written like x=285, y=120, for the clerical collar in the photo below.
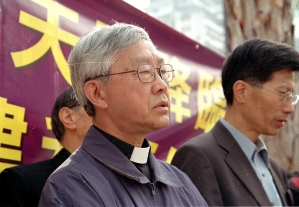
x=140, y=155
x=135, y=154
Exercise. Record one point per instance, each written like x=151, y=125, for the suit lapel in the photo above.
x=245, y=173
x=240, y=165
x=280, y=187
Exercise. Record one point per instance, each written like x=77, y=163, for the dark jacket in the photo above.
x=222, y=173
x=22, y=185
x=99, y=174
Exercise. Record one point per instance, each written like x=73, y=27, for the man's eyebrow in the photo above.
x=146, y=60
x=161, y=61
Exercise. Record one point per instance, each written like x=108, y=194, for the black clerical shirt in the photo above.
x=127, y=150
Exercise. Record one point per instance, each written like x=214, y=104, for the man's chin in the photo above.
x=160, y=124
x=273, y=132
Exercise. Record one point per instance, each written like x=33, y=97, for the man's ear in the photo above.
x=240, y=91
x=94, y=91
x=66, y=117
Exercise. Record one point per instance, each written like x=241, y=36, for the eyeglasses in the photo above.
x=146, y=73
x=73, y=106
x=285, y=96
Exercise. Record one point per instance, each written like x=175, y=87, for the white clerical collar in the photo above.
x=140, y=155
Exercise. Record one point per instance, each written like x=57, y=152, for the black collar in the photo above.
x=124, y=147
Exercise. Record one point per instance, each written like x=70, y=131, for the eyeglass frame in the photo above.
x=131, y=71
x=288, y=95
x=73, y=106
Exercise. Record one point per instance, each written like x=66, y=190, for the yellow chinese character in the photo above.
x=52, y=34
x=211, y=102
x=154, y=147
x=12, y=126
x=49, y=142
x=170, y=154
x=179, y=90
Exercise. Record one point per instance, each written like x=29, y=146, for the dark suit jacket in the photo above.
x=222, y=173
x=22, y=185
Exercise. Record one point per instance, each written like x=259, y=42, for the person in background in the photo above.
x=122, y=83
x=230, y=165
x=22, y=185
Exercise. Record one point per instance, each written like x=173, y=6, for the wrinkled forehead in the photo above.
x=141, y=52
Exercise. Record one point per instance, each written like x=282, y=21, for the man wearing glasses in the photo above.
x=230, y=165
x=122, y=83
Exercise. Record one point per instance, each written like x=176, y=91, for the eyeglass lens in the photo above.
x=289, y=97
x=293, y=98
x=146, y=73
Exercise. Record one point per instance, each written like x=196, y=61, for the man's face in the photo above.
x=133, y=106
x=267, y=111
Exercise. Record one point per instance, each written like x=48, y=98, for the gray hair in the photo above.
x=96, y=51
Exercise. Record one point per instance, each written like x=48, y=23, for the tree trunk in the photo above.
x=268, y=19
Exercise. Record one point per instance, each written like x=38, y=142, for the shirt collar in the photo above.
x=262, y=150
x=140, y=154
x=135, y=154
x=248, y=147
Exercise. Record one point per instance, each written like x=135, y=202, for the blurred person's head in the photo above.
x=69, y=120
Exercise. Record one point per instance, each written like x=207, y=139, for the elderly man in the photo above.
x=122, y=83
x=230, y=165
x=23, y=185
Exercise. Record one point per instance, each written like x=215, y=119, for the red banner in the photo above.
x=36, y=38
